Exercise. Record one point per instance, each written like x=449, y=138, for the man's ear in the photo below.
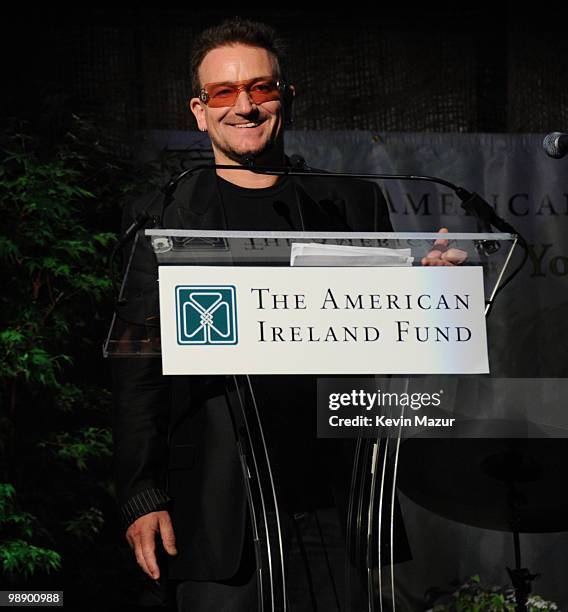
x=196, y=107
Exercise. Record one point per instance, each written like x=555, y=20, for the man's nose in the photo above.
x=244, y=104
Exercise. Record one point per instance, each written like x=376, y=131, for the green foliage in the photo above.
x=473, y=596
x=17, y=556
x=20, y=557
x=59, y=205
x=86, y=524
x=6, y=499
x=80, y=446
x=51, y=258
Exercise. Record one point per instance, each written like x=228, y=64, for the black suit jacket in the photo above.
x=173, y=437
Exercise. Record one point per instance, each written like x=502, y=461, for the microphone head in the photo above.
x=298, y=162
x=553, y=146
x=248, y=160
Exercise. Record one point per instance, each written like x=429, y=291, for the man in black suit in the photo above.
x=178, y=477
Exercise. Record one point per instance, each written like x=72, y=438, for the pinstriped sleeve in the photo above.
x=149, y=500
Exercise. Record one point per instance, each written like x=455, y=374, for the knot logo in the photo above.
x=206, y=314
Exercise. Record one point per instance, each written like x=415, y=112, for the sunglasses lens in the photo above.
x=226, y=94
x=264, y=91
x=222, y=95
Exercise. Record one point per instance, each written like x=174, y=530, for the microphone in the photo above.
x=471, y=202
x=248, y=160
x=555, y=144
x=297, y=162
x=137, y=224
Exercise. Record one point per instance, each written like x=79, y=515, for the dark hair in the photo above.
x=235, y=31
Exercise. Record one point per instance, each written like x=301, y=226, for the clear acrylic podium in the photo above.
x=365, y=498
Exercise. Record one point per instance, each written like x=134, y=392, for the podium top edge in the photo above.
x=179, y=233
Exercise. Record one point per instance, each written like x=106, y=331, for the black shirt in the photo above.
x=268, y=208
x=287, y=404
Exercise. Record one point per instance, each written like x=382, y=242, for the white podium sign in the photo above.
x=322, y=320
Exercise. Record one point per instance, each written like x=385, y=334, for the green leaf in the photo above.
x=79, y=447
x=19, y=557
x=86, y=524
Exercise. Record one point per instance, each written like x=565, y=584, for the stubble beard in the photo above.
x=241, y=157
x=270, y=152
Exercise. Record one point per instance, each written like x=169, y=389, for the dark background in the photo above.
x=434, y=67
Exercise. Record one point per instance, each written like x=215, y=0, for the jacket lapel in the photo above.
x=321, y=211
x=197, y=204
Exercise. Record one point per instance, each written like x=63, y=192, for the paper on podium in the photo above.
x=315, y=254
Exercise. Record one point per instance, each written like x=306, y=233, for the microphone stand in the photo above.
x=471, y=202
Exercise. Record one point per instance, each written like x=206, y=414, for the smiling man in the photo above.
x=240, y=102
x=178, y=475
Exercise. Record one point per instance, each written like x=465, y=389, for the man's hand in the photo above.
x=440, y=255
x=141, y=538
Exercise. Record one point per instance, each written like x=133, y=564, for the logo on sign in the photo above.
x=206, y=314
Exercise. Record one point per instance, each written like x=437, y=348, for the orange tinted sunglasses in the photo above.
x=259, y=90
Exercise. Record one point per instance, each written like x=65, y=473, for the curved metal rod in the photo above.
x=260, y=497
x=356, y=496
x=498, y=286
x=253, y=517
x=274, y=499
x=364, y=490
x=395, y=469
x=374, y=462
x=392, y=520
x=349, y=526
x=289, y=171
x=252, y=503
x=380, y=530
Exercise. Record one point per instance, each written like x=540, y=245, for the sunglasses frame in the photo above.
x=241, y=86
